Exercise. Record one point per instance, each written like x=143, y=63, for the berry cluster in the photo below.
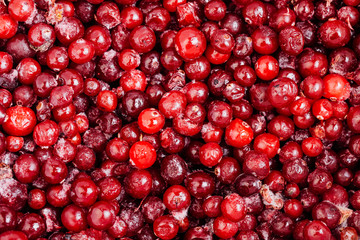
x=179, y=119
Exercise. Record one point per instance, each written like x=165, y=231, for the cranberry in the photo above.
x=238, y=133
x=32, y=225
x=73, y=218
x=142, y=39
x=142, y=154
x=81, y=51
x=83, y=192
x=168, y=164
x=166, y=227
x=20, y=121
x=26, y=168
x=265, y=40
x=7, y=218
x=224, y=228
x=138, y=183
x=334, y=34
x=190, y=43
x=9, y=26
x=46, y=133
x=13, y=235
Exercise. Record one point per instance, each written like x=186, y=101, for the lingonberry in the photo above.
x=101, y=215
x=142, y=39
x=133, y=80
x=224, y=228
x=138, y=183
x=334, y=33
x=69, y=30
x=151, y=121
x=100, y=37
x=14, y=144
x=73, y=218
x=190, y=43
x=311, y=62
x=176, y=197
x=46, y=133
x=267, y=67
x=81, y=51
x=142, y=154
x=200, y=184
x=215, y=10
x=26, y=168
x=12, y=234
x=312, y=146
x=129, y=59
x=211, y=206
x=267, y=143
x=256, y=164
x=265, y=40
x=117, y=150
x=282, y=18
x=233, y=207
x=166, y=227
x=106, y=101
x=227, y=170
x=336, y=87
x=83, y=192
x=210, y=154
x=131, y=16
x=282, y=92
x=238, y=133
x=20, y=121
x=36, y=199
x=108, y=15
x=33, y=225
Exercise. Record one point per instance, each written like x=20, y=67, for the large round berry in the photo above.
x=19, y=121
x=190, y=43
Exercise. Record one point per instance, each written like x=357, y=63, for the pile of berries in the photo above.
x=179, y=119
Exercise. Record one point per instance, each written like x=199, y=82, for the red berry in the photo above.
x=142, y=154
x=238, y=133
